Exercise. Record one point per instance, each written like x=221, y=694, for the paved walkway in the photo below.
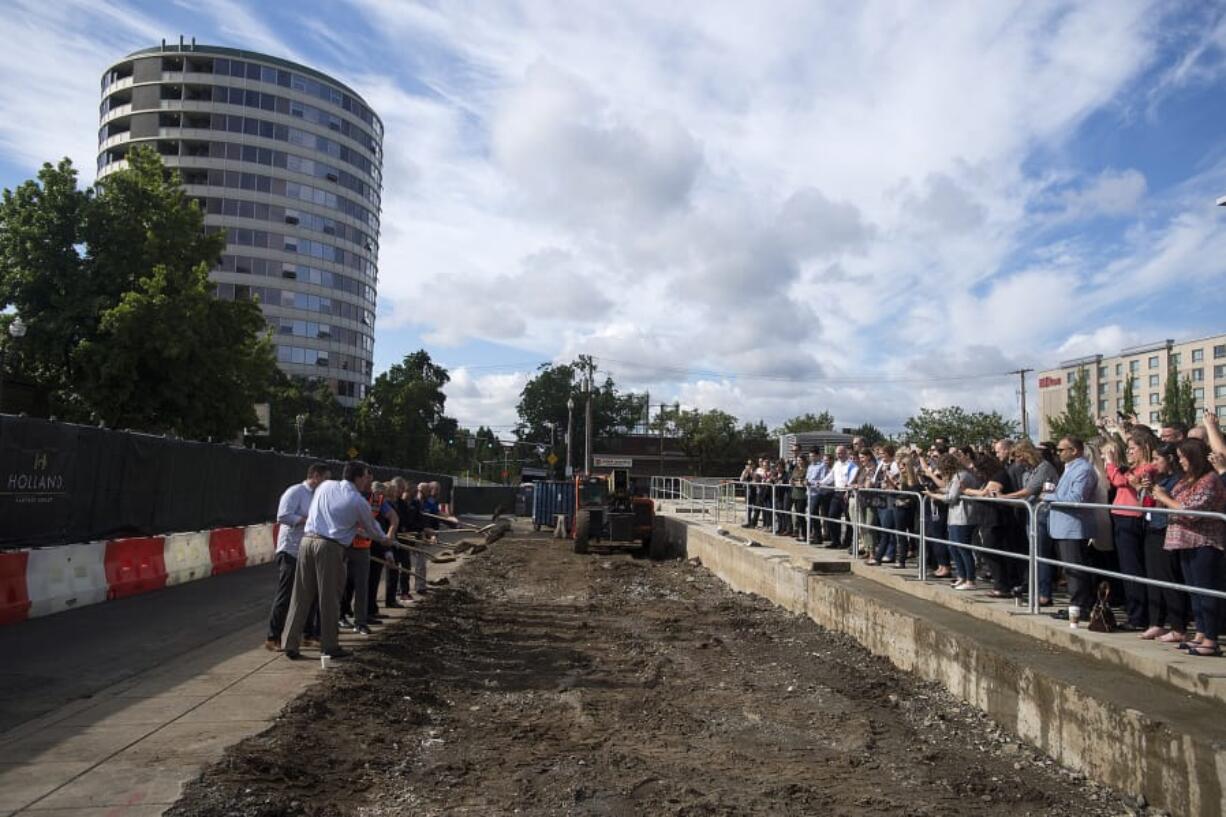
x=126, y=750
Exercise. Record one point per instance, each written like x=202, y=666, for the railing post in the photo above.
x=1032, y=586
x=922, y=510
x=853, y=516
x=808, y=517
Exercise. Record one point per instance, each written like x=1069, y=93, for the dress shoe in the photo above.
x=272, y=645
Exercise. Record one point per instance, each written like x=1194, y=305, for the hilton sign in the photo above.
x=1048, y=382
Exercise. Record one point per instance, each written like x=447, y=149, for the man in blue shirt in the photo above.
x=338, y=513
x=814, y=475
x=1071, y=528
x=291, y=516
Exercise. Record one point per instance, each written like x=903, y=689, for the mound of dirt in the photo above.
x=546, y=683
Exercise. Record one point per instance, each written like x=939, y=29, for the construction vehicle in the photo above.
x=606, y=512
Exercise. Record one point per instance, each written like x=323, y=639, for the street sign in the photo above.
x=552, y=459
x=262, y=418
x=605, y=461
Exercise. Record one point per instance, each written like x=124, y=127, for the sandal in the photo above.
x=1199, y=651
x=871, y=561
x=1172, y=637
x=1152, y=633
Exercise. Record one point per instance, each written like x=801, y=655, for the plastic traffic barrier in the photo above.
x=188, y=557
x=135, y=566
x=14, y=595
x=226, y=550
x=260, y=543
x=61, y=578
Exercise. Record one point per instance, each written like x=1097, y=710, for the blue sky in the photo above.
x=864, y=207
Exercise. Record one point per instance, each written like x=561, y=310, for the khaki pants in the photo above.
x=320, y=576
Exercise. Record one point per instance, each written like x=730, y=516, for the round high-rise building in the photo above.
x=286, y=161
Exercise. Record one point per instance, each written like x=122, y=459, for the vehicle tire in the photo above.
x=583, y=527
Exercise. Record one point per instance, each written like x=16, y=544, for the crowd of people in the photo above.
x=1132, y=478
x=337, y=539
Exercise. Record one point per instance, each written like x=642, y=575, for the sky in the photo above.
x=865, y=208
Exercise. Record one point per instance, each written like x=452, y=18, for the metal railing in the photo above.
x=697, y=494
x=730, y=507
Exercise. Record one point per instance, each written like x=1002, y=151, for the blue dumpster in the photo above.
x=551, y=499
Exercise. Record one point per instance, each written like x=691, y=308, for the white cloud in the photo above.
x=821, y=191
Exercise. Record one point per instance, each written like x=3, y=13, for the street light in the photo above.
x=299, y=422
x=17, y=330
x=570, y=427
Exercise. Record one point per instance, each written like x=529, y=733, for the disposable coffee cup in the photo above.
x=325, y=661
x=1074, y=616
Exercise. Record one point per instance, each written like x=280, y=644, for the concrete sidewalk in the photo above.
x=127, y=750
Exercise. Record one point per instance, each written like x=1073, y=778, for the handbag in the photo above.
x=1102, y=618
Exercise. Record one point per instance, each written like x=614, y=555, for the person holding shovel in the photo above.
x=338, y=512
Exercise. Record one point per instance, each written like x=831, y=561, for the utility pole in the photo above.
x=570, y=430
x=661, y=419
x=587, y=426
x=1021, y=376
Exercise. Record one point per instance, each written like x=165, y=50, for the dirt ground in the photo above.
x=545, y=683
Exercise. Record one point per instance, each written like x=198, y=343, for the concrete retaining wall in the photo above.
x=1136, y=734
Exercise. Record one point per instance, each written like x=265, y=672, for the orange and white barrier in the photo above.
x=41, y=581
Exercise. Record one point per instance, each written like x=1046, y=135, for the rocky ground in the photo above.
x=545, y=683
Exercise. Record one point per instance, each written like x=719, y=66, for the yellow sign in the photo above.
x=552, y=459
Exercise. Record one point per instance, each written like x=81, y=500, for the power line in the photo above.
x=849, y=380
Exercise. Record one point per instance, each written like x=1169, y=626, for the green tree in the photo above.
x=327, y=427
x=824, y=421
x=706, y=436
x=1187, y=402
x=958, y=426
x=44, y=276
x=172, y=358
x=542, y=407
x=1076, y=420
x=402, y=413
x=871, y=434
x=113, y=283
x=755, y=440
x=1172, y=398
x=1130, y=396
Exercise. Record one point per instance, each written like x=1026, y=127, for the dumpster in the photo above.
x=551, y=499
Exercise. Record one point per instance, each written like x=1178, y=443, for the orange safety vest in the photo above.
x=376, y=502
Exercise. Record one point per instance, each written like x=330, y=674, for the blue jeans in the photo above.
x=1129, y=535
x=887, y=544
x=936, y=529
x=963, y=558
x=1047, y=573
x=1205, y=567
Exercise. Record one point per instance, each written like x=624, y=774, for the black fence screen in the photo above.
x=62, y=483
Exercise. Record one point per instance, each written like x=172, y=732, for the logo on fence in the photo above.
x=38, y=484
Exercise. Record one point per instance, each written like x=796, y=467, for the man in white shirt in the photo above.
x=338, y=512
x=291, y=516
x=842, y=475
